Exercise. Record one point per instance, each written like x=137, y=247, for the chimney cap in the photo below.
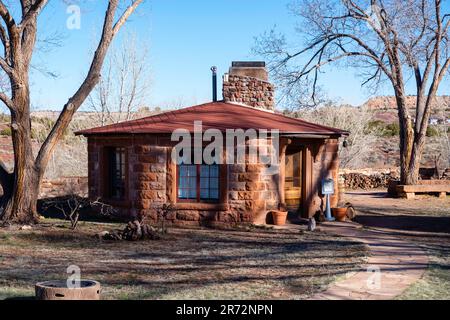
x=248, y=64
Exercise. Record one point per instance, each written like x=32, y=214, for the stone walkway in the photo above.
x=393, y=265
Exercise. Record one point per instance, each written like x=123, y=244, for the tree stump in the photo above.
x=58, y=290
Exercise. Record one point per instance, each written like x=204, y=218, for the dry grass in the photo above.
x=424, y=221
x=435, y=284
x=187, y=264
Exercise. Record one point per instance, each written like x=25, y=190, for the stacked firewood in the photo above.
x=133, y=231
x=355, y=181
x=446, y=174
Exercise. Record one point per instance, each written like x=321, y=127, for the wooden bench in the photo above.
x=409, y=191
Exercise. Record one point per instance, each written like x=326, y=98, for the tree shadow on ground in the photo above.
x=406, y=222
x=46, y=207
x=24, y=298
x=380, y=194
x=203, y=261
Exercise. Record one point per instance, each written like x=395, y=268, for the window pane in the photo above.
x=204, y=183
x=204, y=171
x=214, y=183
x=192, y=183
x=198, y=181
x=204, y=193
x=183, y=182
x=192, y=193
x=117, y=172
x=214, y=171
x=187, y=181
x=214, y=193
x=193, y=171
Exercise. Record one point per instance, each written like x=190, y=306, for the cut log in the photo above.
x=58, y=290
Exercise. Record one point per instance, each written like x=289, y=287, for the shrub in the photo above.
x=432, y=131
x=375, y=126
x=391, y=130
x=6, y=132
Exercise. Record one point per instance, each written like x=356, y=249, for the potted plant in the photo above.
x=279, y=217
x=339, y=213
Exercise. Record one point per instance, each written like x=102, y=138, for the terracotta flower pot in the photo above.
x=339, y=213
x=279, y=217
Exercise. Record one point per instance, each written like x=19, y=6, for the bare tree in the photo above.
x=70, y=207
x=361, y=140
x=21, y=187
x=125, y=82
x=387, y=41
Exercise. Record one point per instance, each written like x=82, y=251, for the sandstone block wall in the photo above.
x=64, y=186
x=247, y=190
x=249, y=91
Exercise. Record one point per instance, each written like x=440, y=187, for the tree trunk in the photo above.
x=21, y=189
x=406, y=140
x=416, y=157
x=19, y=202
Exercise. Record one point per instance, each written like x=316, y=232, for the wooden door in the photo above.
x=293, y=180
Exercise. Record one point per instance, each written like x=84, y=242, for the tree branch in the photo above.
x=91, y=80
x=125, y=16
x=32, y=12
x=6, y=100
x=5, y=40
x=4, y=13
x=6, y=67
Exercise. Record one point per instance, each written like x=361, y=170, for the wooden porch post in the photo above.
x=284, y=142
x=307, y=176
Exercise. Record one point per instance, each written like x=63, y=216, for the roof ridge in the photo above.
x=217, y=109
x=284, y=116
x=143, y=119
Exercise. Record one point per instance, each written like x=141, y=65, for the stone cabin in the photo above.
x=132, y=168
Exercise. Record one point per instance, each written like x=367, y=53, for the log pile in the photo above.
x=371, y=179
x=133, y=231
x=446, y=174
x=354, y=181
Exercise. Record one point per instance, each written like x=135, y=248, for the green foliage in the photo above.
x=375, y=126
x=432, y=131
x=382, y=129
x=5, y=132
x=391, y=130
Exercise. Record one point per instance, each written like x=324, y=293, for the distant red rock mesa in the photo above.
x=388, y=102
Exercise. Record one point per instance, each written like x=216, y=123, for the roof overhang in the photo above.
x=314, y=135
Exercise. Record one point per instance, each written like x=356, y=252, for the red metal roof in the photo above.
x=216, y=115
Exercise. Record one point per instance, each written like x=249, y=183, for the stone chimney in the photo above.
x=247, y=83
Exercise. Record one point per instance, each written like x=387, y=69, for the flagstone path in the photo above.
x=393, y=265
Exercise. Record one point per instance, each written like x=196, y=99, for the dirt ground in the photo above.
x=424, y=221
x=187, y=264
x=218, y=264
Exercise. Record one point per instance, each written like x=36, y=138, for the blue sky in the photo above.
x=185, y=39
